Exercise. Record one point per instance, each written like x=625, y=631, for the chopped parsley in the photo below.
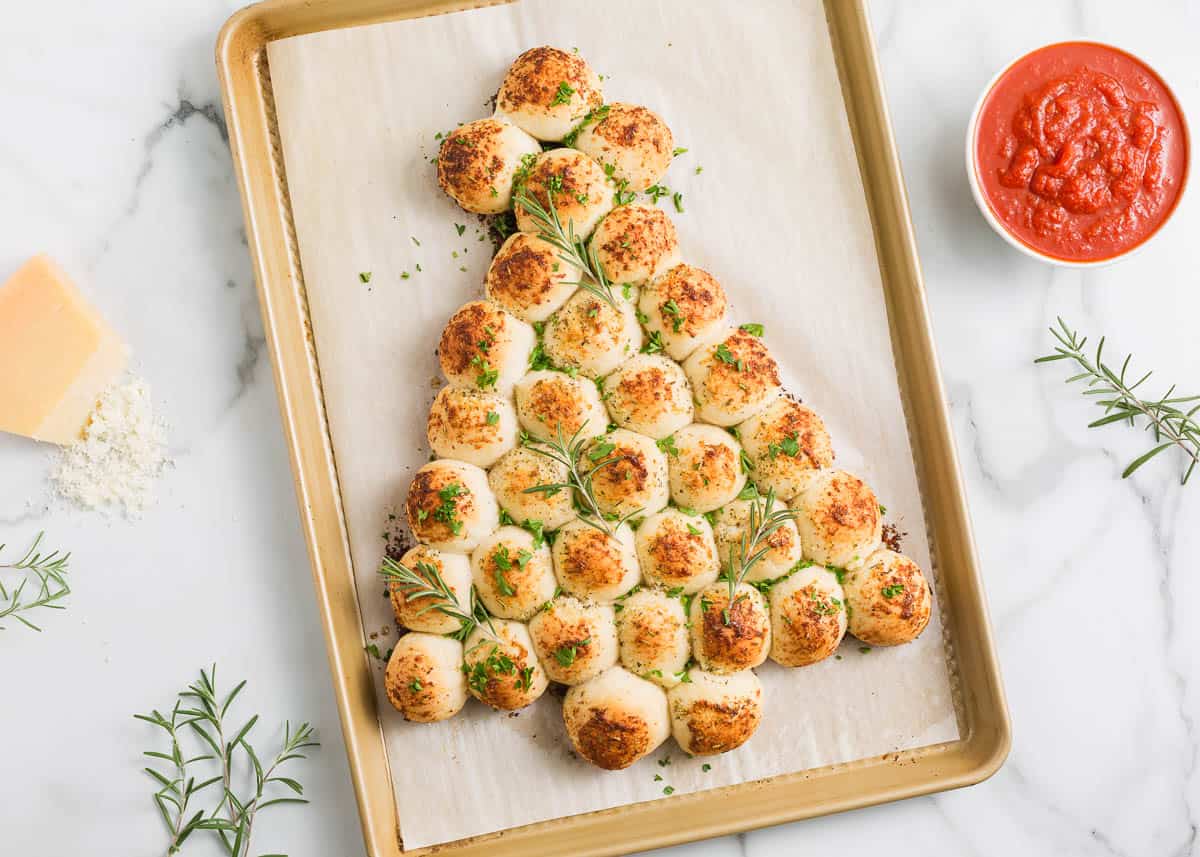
x=415, y=685
x=678, y=318
x=563, y=94
x=460, y=228
x=679, y=150
x=726, y=356
x=752, y=328
x=667, y=445
x=601, y=449
x=449, y=505
x=893, y=590
x=492, y=418
x=364, y=276
x=677, y=199
x=654, y=343
x=789, y=446
x=566, y=654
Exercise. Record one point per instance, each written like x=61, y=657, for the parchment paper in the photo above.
x=778, y=215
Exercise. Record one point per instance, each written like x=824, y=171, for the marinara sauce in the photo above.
x=1081, y=151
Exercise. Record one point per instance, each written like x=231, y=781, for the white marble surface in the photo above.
x=113, y=158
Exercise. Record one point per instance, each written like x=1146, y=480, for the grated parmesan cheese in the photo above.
x=123, y=451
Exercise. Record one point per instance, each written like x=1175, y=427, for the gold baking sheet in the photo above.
x=250, y=107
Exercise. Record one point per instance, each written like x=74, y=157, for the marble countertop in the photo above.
x=115, y=161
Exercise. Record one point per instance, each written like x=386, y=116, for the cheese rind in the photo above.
x=57, y=355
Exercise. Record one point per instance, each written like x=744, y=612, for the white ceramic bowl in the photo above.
x=980, y=195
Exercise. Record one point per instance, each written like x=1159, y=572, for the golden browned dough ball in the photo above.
x=592, y=336
x=840, y=522
x=530, y=278
x=574, y=640
x=734, y=379
x=478, y=161
x=503, y=673
x=550, y=403
x=788, y=444
x=513, y=575
x=730, y=524
x=676, y=551
x=616, y=718
x=471, y=425
x=635, y=481
x=888, y=599
x=685, y=307
x=424, y=678
x=713, y=713
x=635, y=242
x=633, y=142
x=593, y=565
x=548, y=91
x=705, y=466
x=727, y=638
x=417, y=614
x=522, y=469
x=649, y=394
x=450, y=505
x=808, y=617
x=485, y=348
x=653, y=634
x=570, y=184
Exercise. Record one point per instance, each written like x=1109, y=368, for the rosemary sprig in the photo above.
x=178, y=787
x=49, y=570
x=425, y=581
x=764, y=519
x=571, y=248
x=204, y=711
x=579, y=479
x=1165, y=418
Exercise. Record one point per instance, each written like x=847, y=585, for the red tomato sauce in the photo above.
x=1081, y=151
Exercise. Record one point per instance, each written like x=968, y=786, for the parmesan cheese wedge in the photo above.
x=57, y=355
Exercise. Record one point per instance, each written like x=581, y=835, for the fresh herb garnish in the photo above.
x=563, y=94
x=1165, y=418
x=49, y=575
x=565, y=655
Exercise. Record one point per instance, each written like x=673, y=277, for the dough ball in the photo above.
x=574, y=641
x=522, y=469
x=788, y=444
x=512, y=577
x=570, y=184
x=729, y=638
x=471, y=425
x=415, y=613
x=634, y=142
x=729, y=526
x=503, y=673
x=839, y=521
x=548, y=401
x=686, y=307
x=592, y=336
x=634, y=243
x=705, y=467
x=485, y=348
x=616, y=718
x=450, y=505
x=548, y=91
x=734, y=379
x=424, y=679
x=529, y=278
x=635, y=482
x=888, y=599
x=713, y=713
x=808, y=617
x=478, y=162
x=591, y=564
x=649, y=394
x=676, y=551
x=653, y=633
